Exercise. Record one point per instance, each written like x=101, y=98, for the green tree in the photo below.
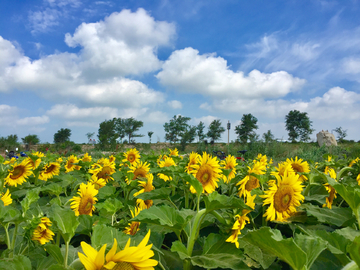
x=245, y=131
x=29, y=140
x=187, y=137
x=131, y=126
x=62, y=135
x=107, y=133
x=200, y=131
x=215, y=130
x=341, y=133
x=150, y=133
x=175, y=128
x=120, y=128
x=298, y=125
x=268, y=137
x=89, y=135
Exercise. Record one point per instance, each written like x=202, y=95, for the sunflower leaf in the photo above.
x=55, y=252
x=31, y=196
x=312, y=246
x=180, y=249
x=159, y=193
x=193, y=182
x=217, y=201
x=103, y=234
x=8, y=213
x=354, y=250
x=272, y=241
x=19, y=262
x=112, y=205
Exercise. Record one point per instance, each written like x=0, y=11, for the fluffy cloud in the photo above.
x=71, y=111
x=41, y=21
x=33, y=121
x=189, y=72
x=175, y=104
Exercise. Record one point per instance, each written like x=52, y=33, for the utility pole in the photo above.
x=228, y=128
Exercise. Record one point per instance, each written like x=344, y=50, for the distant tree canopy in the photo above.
x=11, y=141
x=341, y=133
x=200, y=131
x=245, y=131
x=176, y=128
x=215, y=130
x=150, y=133
x=298, y=125
x=107, y=134
x=268, y=137
x=30, y=139
x=62, y=135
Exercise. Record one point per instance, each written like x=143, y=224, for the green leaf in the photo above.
x=312, y=246
x=86, y=224
x=354, y=250
x=8, y=213
x=180, y=249
x=55, y=252
x=53, y=188
x=165, y=216
x=216, y=201
x=19, y=262
x=65, y=220
x=57, y=267
x=214, y=261
x=111, y=205
x=257, y=254
x=103, y=234
x=31, y=196
x=335, y=216
x=273, y=242
x=193, y=182
x=106, y=192
x=159, y=193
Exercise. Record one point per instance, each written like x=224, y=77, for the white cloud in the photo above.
x=175, y=104
x=33, y=121
x=205, y=119
x=189, y=72
x=71, y=111
x=351, y=65
x=42, y=21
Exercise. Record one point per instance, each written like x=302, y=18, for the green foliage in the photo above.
x=298, y=125
x=62, y=135
x=31, y=139
x=10, y=142
x=175, y=128
x=200, y=131
x=215, y=130
x=107, y=134
x=245, y=131
x=150, y=133
x=341, y=133
x=131, y=126
x=268, y=137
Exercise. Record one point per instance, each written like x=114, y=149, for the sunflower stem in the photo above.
x=66, y=253
x=13, y=240
x=186, y=199
x=195, y=231
x=172, y=203
x=6, y=227
x=219, y=217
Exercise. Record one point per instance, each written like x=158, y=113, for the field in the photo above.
x=285, y=206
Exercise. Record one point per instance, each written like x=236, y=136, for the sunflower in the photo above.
x=38, y=154
x=354, y=161
x=98, y=183
x=358, y=179
x=59, y=160
x=332, y=192
x=86, y=158
x=229, y=163
x=112, y=158
x=167, y=162
x=135, y=258
x=174, y=152
x=11, y=161
x=18, y=174
x=42, y=233
x=283, y=196
x=103, y=170
x=133, y=227
x=139, y=169
x=147, y=186
x=6, y=198
x=250, y=182
x=282, y=168
x=299, y=166
x=49, y=171
x=207, y=172
x=84, y=205
x=193, y=157
x=34, y=164
x=132, y=156
x=70, y=164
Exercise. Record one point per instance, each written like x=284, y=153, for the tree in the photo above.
x=175, y=128
x=200, y=131
x=107, y=133
x=341, y=133
x=89, y=135
x=215, y=130
x=62, y=135
x=120, y=128
x=268, y=137
x=131, y=125
x=298, y=126
x=245, y=131
x=150, y=133
x=30, y=140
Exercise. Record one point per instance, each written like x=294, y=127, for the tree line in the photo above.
x=178, y=130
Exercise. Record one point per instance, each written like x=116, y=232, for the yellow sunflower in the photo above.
x=84, y=204
x=283, y=196
x=139, y=169
x=193, y=157
x=358, y=179
x=207, y=172
x=98, y=183
x=229, y=163
x=103, y=171
x=6, y=198
x=131, y=258
x=146, y=187
x=250, y=182
x=59, y=160
x=34, y=164
x=174, y=152
x=282, y=168
x=86, y=158
x=112, y=158
x=70, y=164
x=299, y=166
x=49, y=171
x=133, y=227
x=38, y=154
x=167, y=162
x=332, y=192
x=18, y=173
x=42, y=233
x=354, y=161
x=11, y=161
x=132, y=156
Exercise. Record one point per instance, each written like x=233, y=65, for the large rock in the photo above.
x=325, y=137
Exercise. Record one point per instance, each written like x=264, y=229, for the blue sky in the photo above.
x=75, y=63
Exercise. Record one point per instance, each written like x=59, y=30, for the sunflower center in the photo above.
x=104, y=173
x=51, y=168
x=282, y=198
x=17, y=172
x=131, y=158
x=86, y=205
x=252, y=183
x=204, y=175
x=123, y=266
x=297, y=167
x=139, y=173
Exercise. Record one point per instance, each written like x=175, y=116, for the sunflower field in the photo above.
x=136, y=211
